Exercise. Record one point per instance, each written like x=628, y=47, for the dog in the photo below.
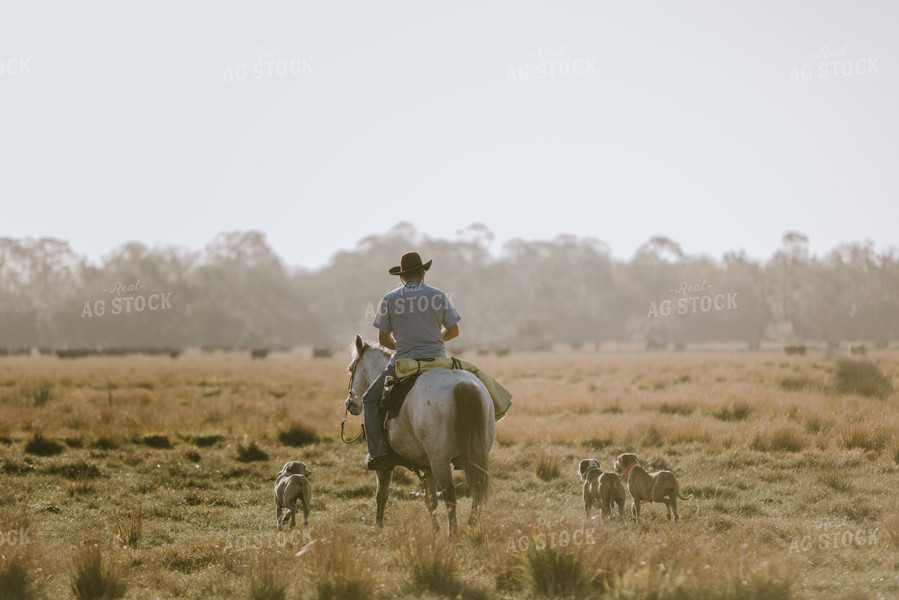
x=661, y=486
x=600, y=488
x=292, y=484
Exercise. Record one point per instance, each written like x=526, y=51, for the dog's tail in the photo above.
x=677, y=491
x=471, y=437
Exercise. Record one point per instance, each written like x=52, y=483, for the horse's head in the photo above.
x=368, y=362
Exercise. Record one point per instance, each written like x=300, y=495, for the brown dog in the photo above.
x=660, y=486
x=601, y=488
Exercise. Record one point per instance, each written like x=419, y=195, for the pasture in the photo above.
x=151, y=477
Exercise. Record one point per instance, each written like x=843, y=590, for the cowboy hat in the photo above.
x=409, y=263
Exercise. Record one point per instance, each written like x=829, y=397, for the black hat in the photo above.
x=409, y=263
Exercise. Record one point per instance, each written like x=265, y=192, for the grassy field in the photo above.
x=148, y=477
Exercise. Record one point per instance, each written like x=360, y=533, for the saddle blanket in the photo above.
x=501, y=397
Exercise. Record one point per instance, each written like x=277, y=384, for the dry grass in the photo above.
x=548, y=466
x=130, y=529
x=17, y=556
x=168, y=465
x=93, y=578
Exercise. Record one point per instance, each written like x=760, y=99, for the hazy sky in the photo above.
x=721, y=125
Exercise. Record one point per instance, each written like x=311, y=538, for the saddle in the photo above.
x=395, y=390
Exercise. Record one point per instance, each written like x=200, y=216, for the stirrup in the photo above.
x=381, y=463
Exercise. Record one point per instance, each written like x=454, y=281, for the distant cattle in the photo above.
x=259, y=352
x=795, y=349
x=858, y=350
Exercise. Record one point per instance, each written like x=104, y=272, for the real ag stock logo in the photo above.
x=692, y=300
x=551, y=534
x=267, y=63
x=551, y=63
x=15, y=66
x=411, y=304
x=834, y=536
x=835, y=63
x=13, y=537
x=134, y=302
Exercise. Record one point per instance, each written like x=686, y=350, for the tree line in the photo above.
x=237, y=293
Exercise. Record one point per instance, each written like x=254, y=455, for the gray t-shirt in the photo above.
x=415, y=313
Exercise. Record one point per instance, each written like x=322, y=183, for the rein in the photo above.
x=346, y=411
x=343, y=439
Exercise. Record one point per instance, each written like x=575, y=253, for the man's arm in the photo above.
x=386, y=340
x=451, y=332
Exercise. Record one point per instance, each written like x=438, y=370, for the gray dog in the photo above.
x=292, y=484
x=600, y=488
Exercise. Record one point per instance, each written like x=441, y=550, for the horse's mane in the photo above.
x=372, y=346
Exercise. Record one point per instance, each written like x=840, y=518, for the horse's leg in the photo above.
x=431, y=498
x=443, y=474
x=384, y=477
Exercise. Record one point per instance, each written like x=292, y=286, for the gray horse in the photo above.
x=447, y=415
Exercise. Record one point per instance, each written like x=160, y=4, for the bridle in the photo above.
x=351, y=395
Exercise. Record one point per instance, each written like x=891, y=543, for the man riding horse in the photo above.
x=414, y=320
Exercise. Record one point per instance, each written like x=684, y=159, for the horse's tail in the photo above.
x=471, y=437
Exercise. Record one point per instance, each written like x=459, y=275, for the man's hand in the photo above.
x=386, y=340
x=451, y=332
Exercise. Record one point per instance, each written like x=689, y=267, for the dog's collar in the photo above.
x=590, y=470
x=627, y=470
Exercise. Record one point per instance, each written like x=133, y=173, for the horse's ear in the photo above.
x=358, y=344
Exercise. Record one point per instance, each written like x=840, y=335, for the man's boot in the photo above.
x=380, y=463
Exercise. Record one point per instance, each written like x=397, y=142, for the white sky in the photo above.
x=682, y=121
